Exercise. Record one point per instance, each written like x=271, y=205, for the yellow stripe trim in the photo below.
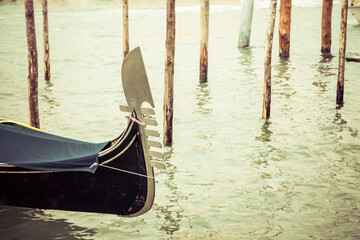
x=2, y=120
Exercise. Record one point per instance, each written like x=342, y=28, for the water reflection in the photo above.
x=324, y=67
x=282, y=68
x=265, y=132
x=272, y=196
x=342, y=124
x=47, y=96
x=203, y=98
x=246, y=59
x=242, y=169
x=171, y=212
x=26, y=223
x=281, y=79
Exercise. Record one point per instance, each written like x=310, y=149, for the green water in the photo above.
x=230, y=174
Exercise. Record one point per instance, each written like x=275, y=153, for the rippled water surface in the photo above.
x=230, y=174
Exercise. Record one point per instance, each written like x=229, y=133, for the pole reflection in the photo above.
x=281, y=79
x=171, y=212
x=325, y=69
x=203, y=98
x=266, y=134
x=246, y=60
x=342, y=125
x=269, y=190
x=47, y=97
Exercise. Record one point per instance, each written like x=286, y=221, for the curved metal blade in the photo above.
x=135, y=81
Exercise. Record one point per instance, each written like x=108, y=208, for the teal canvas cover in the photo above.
x=32, y=149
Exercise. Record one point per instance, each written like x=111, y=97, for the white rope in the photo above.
x=136, y=120
x=94, y=165
x=125, y=171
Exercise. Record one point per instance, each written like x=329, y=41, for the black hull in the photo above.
x=108, y=190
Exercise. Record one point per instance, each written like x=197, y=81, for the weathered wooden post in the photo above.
x=33, y=64
x=46, y=40
x=169, y=72
x=342, y=51
x=326, y=26
x=247, y=10
x=125, y=28
x=284, y=28
x=204, y=40
x=267, y=60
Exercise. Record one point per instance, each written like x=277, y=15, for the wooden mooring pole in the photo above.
x=125, y=28
x=247, y=10
x=342, y=51
x=33, y=64
x=267, y=60
x=169, y=72
x=46, y=40
x=326, y=26
x=284, y=28
x=204, y=40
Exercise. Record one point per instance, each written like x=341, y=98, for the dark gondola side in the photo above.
x=40, y=170
x=120, y=185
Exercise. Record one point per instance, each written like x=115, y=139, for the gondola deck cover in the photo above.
x=53, y=172
x=29, y=148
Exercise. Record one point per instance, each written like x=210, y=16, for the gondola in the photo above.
x=45, y=171
x=354, y=9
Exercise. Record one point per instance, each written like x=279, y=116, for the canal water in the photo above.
x=230, y=174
